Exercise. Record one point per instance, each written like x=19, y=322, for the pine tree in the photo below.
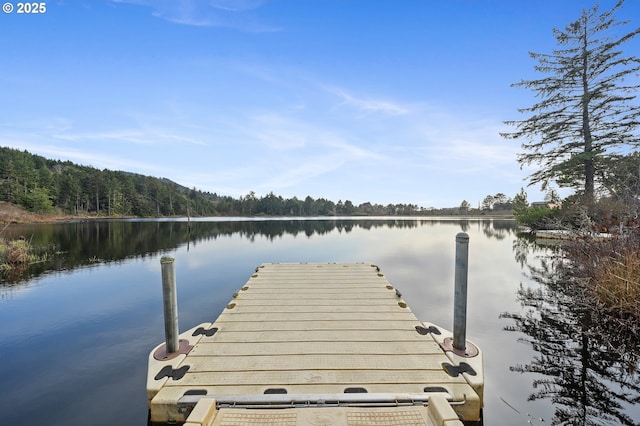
x=586, y=111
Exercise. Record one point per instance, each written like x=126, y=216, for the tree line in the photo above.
x=48, y=186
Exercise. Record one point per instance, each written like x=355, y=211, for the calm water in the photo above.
x=76, y=335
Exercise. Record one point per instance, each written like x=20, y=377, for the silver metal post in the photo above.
x=170, y=302
x=460, y=294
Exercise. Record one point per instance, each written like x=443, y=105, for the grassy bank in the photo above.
x=13, y=213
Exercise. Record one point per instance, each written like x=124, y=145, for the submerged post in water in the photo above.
x=170, y=301
x=460, y=294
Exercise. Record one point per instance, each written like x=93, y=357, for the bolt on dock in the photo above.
x=330, y=344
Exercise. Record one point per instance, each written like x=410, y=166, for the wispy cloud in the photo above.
x=39, y=125
x=335, y=156
x=367, y=105
x=469, y=153
x=291, y=150
x=286, y=131
x=278, y=132
x=305, y=170
x=236, y=14
x=145, y=137
x=353, y=151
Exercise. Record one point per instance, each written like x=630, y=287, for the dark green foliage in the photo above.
x=538, y=217
x=498, y=202
x=37, y=200
x=621, y=178
x=42, y=185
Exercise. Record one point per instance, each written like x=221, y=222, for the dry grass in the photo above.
x=15, y=255
x=616, y=283
x=12, y=213
x=20, y=253
x=610, y=273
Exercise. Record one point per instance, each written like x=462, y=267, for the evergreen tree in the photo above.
x=585, y=110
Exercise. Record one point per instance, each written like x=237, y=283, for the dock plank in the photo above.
x=306, y=361
x=301, y=347
x=336, y=380
x=391, y=336
x=324, y=315
x=318, y=308
x=380, y=324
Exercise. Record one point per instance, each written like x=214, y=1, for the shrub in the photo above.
x=538, y=217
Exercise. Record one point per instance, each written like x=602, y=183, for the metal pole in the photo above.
x=170, y=302
x=460, y=294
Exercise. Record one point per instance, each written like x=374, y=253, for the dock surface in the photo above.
x=303, y=334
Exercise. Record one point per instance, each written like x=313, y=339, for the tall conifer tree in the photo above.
x=586, y=110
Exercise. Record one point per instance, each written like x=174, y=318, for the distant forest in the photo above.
x=49, y=186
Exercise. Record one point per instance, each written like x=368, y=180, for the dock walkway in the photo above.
x=312, y=337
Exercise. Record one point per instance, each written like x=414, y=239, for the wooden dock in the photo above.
x=326, y=343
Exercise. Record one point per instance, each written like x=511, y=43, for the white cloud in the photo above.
x=234, y=14
x=468, y=153
x=367, y=106
x=39, y=125
x=236, y=5
x=310, y=168
x=444, y=140
x=145, y=136
x=353, y=151
x=334, y=155
x=278, y=132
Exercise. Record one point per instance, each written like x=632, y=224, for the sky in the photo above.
x=362, y=100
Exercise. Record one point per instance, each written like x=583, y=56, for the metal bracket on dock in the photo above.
x=161, y=353
x=469, y=351
x=315, y=400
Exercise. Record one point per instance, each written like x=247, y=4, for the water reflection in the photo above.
x=586, y=365
x=84, y=334
x=81, y=244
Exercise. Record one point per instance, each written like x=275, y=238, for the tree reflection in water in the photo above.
x=79, y=244
x=586, y=364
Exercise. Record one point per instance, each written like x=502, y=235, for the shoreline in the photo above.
x=14, y=214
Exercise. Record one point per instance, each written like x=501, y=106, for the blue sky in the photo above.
x=381, y=101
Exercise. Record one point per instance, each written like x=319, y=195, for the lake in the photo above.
x=77, y=332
